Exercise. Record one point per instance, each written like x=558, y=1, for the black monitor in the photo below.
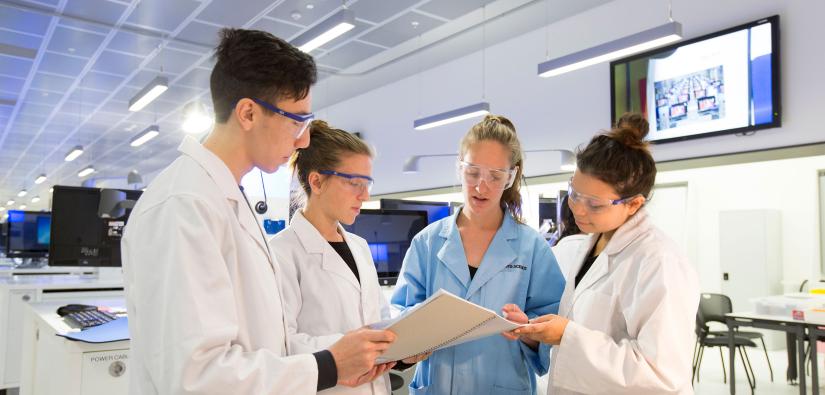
x=28, y=234
x=80, y=237
x=435, y=210
x=548, y=209
x=3, y=237
x=388, y=234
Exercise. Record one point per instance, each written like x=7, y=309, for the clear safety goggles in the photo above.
x=299, y=122
x=471, y=175
x=358, y=183
x=593, y=204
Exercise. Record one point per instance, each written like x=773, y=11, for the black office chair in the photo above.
x=705, y=339
x=714, y=307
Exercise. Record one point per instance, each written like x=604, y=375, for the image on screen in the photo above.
x=28, y=233
x=724, y=82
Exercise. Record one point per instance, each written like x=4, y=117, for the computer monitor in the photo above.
x=3, y=237
x=28, y=234
x=548, y=209
x=435, y=210
x=388, y=234
x=80, y=237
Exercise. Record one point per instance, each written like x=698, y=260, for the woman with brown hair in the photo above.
x=486, y=254
x=626, y=321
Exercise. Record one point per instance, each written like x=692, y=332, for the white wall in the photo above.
x=564, y=111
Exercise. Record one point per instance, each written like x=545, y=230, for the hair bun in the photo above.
x=631, y=130
x=500, y=120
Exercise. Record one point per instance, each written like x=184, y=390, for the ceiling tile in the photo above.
x=62, y=64
x=75, y=42
x=106, y=119
x=90, y=99
x=20, y=40
x=140, y=45
x=198, y=78
x=452, y=9
x=96, y=10
x=117, y=63
x=162, y=14
x=181, y=94
x=11, y=85
x=15, y=67
x=400, y=30
x=23, y=21
x=100, y=81
x=377, y=11
x=172, y=61
x=308, y=16
x=78, y=25
x=51, y=82
x=201, y=33
x=278, y=29
x=43, y=97
x=349, y=54
x=227, y=13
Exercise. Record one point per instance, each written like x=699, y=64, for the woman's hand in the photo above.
x=513, y=313
x=416, y=359
x=374, y=373
x=547, y=329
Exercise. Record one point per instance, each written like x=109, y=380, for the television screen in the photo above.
x=435, y=210
x=724, y=82
x=388, y=234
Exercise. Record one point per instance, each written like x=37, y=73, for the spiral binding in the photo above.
x=453, y=339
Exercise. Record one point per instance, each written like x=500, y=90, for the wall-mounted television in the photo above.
x=720, y=83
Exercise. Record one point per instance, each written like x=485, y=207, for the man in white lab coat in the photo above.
x=205, y=307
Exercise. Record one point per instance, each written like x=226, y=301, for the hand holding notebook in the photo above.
x=443, y=320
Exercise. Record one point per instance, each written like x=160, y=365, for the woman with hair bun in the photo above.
x=487, y=255
x=627, y=316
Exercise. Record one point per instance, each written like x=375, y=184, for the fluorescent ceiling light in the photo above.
x=2, y=208
x=144, y=136
x=10, y=202
x=74, y=153
x=86, y=171
x=39, y=180
x=35, y=199
x=448, y=117
x=625, y=46
x=22, y=207
x=22, y=193
x=326, y=31
x=149, y=93
x=196, y=120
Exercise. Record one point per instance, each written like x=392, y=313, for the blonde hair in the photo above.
x=501, y=130
x=328, y=146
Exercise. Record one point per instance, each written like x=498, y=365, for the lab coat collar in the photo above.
x=314, y=243
x=225, y=181
x=635, y=226
x=499, y=254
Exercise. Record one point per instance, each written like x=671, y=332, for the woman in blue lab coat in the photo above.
x=486, y=254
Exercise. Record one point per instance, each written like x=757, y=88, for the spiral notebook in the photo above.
x=443, y=320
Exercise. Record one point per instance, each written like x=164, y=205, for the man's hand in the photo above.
x=356, y=352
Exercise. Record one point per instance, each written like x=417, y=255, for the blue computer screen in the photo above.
x=435, y=210
x=388, y=234
x=28, y=233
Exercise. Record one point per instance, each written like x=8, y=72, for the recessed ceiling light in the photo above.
x=71, y=50
x=22, y=207
x=295, y=15
x=35, y=199
x=414, y=24
x=310, y=6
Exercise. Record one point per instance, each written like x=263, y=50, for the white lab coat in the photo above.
x=322, y=297
x=566, y=252
x=205, y=310
x=632, y=317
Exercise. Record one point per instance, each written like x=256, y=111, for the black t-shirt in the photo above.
x=473, y=271
x=344, y=252
x=588, y=262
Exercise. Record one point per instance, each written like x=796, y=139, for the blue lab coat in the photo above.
x=518, y=268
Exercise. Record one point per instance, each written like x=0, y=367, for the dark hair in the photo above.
x=329, y=146
x=253, y=63
x=500, y=129
x=621, y=157
x=567, y=225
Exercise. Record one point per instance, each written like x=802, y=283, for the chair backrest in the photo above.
x=713, y=307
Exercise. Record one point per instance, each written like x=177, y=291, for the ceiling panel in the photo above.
x=15, y=67
x=61, y=64
x=162, y=14
x=172, y=61
x=51, y=82
x=201, y=33
x=10, y=84
x=355, y=31
x=99, y=81
x=96, y=10
x=43, y=97
x=401, y=29
x=198, y=78
x=349, y=54
x=308, y=16
x=20, y=40
x=141, y=45
x=377, y=11
x=227, y=13
x=279, y=29
x=84, y=26
x=74, y=42
x=13, y=18
x=117, y=63
x=452, y=9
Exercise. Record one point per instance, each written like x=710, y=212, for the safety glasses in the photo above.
x=592, y=204
x=471, y=175
x=358, y=183
x=299, y=122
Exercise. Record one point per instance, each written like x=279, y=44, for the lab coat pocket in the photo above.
x=419, y=390
x=499, y=390
x=594, y=310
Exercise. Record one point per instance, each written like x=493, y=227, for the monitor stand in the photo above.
x=110, y=273
x=32, y=263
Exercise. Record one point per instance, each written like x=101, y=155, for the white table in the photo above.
x=16, y=291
